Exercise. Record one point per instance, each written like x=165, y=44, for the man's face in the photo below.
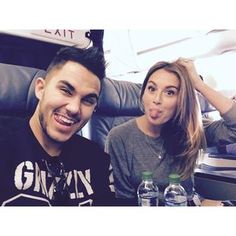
x=67, y=99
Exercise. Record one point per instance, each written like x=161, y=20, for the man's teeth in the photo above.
x=66, y=120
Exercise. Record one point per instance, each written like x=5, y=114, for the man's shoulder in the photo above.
x=82, y=143
x=87, y=153
x=82, y=140
x=9, y=125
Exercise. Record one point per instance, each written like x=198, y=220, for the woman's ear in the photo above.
x=141, y=106
x=39, y=87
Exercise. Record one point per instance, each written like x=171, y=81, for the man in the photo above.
x=46, y=162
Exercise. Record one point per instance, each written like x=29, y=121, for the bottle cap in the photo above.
x=174, y=178
x=146, y=175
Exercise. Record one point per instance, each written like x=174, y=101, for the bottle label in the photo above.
x=175, y=204
x=148, y=201
x=176, y=201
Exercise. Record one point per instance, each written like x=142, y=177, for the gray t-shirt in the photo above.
x=132, y=152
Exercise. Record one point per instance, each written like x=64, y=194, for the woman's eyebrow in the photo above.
x=169, y=86
x=172, y=86
x=151, y=82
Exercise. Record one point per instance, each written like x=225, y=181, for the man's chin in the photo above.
x=60, y=139
x=61, y=136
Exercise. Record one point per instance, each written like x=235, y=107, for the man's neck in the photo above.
x=51, y=147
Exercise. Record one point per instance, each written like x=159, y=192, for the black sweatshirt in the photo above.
x=25, y=179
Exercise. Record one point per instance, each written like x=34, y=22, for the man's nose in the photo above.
x=73, y=107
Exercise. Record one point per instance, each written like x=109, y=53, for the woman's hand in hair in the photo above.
x=188, y=64
x=215, y=98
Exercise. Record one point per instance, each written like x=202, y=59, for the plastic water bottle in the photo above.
x=175, y=194
x=147, y=191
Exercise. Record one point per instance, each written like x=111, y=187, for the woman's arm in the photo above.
x=219, y=101
x=115, y=147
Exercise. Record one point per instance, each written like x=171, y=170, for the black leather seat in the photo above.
x=119, y=102
x=215, y=186
x=17, y=97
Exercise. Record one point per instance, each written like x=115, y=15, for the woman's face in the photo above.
x=160, y=97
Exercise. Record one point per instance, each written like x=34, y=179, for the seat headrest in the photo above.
x=119, y=98
x=17, y=97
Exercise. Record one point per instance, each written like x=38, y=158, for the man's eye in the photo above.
x=66, y=91
x=90, y=101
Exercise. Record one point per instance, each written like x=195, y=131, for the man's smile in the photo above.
x=63, y=120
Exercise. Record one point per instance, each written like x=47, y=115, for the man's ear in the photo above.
x=39, y=87
x=95, y=108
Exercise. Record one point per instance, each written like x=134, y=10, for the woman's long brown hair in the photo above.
x=183, y=135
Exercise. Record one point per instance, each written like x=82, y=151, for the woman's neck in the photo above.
x=147, y=128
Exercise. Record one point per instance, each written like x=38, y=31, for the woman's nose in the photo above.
x=157, y=98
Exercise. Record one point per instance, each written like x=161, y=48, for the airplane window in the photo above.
x=219, y=71
x=131, y=52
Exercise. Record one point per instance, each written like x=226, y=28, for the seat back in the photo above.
x=215, y=186
x=118, y=102
x=17, y=97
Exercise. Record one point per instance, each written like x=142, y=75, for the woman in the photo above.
x=168, y=137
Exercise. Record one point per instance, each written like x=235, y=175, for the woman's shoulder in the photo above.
x=124, y=128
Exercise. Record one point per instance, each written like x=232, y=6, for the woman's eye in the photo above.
x=151, y=88
x=170, y=92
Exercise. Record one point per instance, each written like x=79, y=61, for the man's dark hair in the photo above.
x=91, y=58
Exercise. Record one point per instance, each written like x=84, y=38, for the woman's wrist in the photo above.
x=199, y=85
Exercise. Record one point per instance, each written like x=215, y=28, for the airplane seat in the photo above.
x=17, y=97
x=118, y=102
x=216, y=185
